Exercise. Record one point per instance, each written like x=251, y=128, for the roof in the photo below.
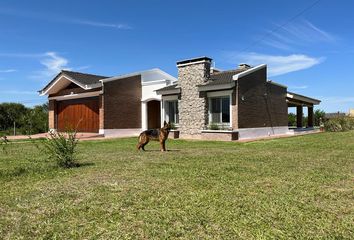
x=171, y=89
x=143, y=73
x=84, y=78
x=228, y=77
x=81, y=78
x=302, y=98
x=223, y=77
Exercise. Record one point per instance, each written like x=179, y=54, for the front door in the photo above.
x=154, y=114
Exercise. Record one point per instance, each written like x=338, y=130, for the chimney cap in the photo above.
x=194, y=60
x=244, y=66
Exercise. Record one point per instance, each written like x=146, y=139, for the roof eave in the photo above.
x=61, y=74
x=168, y=92
x=299, y=97
x=248, y=71
x=215, y=87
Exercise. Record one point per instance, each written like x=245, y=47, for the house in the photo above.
x=123, y=104
x=203, y=103
x=229, y=105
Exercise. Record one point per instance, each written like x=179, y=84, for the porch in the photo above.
x=299, y=102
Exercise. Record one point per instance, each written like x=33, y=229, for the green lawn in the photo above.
x=289, y=188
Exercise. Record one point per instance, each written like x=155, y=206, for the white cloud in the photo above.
x=102, y=24
x=53, y=64
x=277, y=64
x=7, y=70
x=61, y=19
x=299, y=33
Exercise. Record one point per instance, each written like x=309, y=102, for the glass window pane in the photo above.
x=215, y=105
x=226, y=110
x=215, y=110
x=176, y=115
x=171, y=111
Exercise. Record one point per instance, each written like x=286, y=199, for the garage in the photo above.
x=80, y=114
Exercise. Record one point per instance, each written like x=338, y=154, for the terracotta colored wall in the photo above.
x=51, y=114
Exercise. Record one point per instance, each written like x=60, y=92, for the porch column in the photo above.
x=299, y=116
x=144, y=119
x=310, y=116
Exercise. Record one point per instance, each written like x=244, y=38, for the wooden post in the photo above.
x=310, y=116
x=299, y=116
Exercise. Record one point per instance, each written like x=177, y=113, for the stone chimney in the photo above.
x=192, y=107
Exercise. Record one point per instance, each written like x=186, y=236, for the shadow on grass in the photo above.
x=156, y=150
x=85, y=164
x=22, y=171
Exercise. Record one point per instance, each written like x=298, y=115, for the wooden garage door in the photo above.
x=80, y=114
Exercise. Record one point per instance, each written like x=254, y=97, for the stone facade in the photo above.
x=193, y=111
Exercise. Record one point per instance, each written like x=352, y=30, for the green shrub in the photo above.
x=339, y=124
x=214, y=126
x=3, y=143
x=61, y=147
x=173, y=126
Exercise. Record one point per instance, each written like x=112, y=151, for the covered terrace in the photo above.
x=300, y=101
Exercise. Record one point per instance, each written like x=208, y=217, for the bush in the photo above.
x=62, y=148
x=214, y=126
x=3, y=143
x=339, y=124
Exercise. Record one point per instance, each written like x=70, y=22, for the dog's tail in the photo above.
x=139, y=141
x=140, y=137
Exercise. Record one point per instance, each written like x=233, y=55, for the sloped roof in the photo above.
x=81, y=78
x=169, y=89
x=84, y=78
x=223, y=77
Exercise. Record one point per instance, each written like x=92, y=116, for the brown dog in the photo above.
x=159, y=134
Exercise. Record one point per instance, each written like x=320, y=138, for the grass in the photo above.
x=289, y=188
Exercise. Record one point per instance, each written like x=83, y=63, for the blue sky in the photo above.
x=310, y=51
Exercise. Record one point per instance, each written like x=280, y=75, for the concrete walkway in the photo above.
x=81, y=136
x=128, y=133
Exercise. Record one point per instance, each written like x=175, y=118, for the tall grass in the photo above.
x=61, y=147
x=339, y=124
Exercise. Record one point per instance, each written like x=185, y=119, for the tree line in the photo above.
x=16, y=117
x=319, y=115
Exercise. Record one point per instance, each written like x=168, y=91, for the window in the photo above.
x=171, y=111
x=219, y=110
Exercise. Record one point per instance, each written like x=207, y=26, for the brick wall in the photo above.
x=260, y=104
x=51, y=114
x=101, y=111
x=122, y=103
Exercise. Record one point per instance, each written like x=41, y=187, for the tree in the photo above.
x=291, y=119
x=28, y=120
x=319, y=114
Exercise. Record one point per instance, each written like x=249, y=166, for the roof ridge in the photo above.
x=69, y=71
x=226, y=71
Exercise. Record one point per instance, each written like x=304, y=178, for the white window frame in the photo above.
x=166, y=99
x=220, y=94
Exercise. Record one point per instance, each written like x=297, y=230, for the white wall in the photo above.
x=152, y=81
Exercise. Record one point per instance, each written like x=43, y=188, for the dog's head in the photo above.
x=167, y=126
